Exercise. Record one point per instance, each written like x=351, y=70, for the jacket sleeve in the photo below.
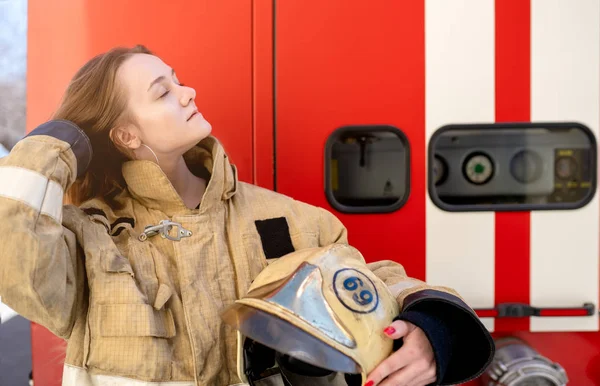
x=462, y=344
x=41, y=276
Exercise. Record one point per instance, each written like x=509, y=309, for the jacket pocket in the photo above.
x=116, y=282
x=135, y=320
x=141, y=257
x=130, y=279
x=133, y=340
x=116, y=263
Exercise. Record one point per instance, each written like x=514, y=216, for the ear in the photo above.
x=126, y=137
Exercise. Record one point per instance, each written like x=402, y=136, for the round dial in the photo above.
x=478, y=168
x=565, y=167
x=526, y=166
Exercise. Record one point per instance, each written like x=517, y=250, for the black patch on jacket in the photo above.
x=275, y=237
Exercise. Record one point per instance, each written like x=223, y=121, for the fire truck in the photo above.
x=457, y=137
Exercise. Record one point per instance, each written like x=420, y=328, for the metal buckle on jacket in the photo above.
x=164, y=228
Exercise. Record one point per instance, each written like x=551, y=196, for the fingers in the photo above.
x=418, y=373
x=413, y=364
x=391, y=364
x=399, y=329
x=428, y=378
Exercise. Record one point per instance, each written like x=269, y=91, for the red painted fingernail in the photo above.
x=389, y=331
x=370, y=383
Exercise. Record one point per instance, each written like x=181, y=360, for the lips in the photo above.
x=193, y=115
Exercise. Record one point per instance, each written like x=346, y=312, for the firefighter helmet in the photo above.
x=317, y=309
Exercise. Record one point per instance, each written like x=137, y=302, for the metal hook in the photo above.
x=164, y=228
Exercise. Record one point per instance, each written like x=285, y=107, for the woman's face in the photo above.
x=166, y=117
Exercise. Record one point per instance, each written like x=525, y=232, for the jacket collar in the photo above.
x=148, y=184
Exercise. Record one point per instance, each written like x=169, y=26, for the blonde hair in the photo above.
x=97, y=103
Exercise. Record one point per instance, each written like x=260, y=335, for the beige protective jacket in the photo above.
x=146, y=312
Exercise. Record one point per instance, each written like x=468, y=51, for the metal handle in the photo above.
x=521, y=310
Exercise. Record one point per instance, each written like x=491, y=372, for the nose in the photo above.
x=188, y=94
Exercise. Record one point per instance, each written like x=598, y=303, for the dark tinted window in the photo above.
x=367, y=169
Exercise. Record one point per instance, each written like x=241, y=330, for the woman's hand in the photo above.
x=412, y=365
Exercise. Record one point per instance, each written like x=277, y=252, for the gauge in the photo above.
x=478, y=168
x=565, y=167
x=440, y=170
x=526, y=166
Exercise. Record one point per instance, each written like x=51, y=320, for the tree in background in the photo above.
x=13, y=67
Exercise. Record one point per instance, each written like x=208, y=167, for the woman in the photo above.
x=140, y=304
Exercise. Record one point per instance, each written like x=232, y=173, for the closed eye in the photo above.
x=166, y=92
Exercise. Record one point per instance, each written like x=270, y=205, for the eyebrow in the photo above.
x=160, y=79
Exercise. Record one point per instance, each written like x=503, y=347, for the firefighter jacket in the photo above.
x=140, y=306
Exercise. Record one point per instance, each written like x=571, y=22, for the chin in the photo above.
x=201, y=130
x=207, y=128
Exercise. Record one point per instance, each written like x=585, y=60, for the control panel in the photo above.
x=512, y=166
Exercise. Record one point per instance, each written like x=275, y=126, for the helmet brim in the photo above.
x=259, y=321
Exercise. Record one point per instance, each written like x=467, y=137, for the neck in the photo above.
x=189, y=187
